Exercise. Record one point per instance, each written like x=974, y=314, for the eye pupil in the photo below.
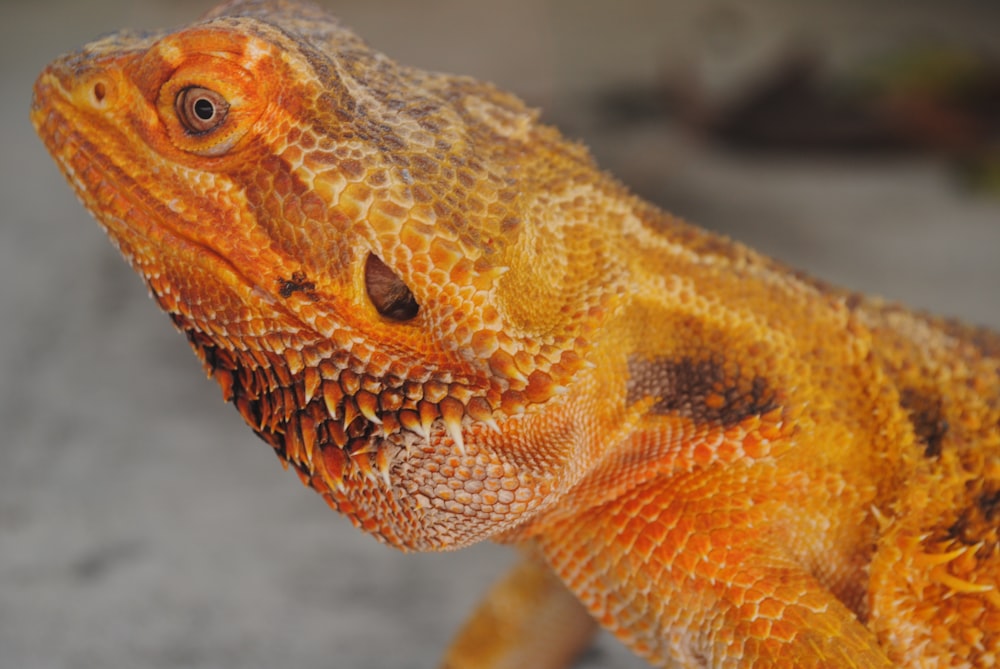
x=204, y=109
x=200, y=110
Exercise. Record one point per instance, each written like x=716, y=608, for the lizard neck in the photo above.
x=716, y=358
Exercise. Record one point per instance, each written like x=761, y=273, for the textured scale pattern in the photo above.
x=454, y=327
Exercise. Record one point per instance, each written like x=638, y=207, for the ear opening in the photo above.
x=388, y=293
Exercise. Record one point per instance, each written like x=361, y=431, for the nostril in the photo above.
x=99, y=93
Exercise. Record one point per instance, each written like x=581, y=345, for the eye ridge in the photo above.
x=200, y=110
x=389, y=294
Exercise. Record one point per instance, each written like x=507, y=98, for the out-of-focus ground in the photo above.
x=141, y=524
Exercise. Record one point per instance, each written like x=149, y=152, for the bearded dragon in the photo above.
x=454, y=327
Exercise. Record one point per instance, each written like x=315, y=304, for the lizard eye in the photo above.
x=200, y=110
x=389, y=295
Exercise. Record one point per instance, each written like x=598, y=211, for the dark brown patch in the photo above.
x=926, y=415
x=977, y=522
x=299, y=283
x=988, y=504
x=698, y=389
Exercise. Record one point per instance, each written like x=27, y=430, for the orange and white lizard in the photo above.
x=454, y=327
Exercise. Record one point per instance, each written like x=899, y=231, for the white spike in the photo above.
x=382, y=463
x=452, y=412
x=455, y=432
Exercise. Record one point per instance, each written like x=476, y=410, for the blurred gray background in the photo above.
x=141, y=524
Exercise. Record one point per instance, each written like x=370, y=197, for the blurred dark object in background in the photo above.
x=943, y=100
x=794, y=108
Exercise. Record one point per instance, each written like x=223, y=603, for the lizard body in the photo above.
x=450, y=323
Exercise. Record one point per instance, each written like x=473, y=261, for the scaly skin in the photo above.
x=454, y=327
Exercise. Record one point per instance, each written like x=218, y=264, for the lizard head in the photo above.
x=375, y=263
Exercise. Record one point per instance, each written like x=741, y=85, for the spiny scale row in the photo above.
x=306, y=415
